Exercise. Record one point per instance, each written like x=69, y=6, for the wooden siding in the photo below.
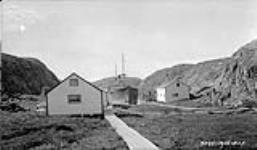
x=182, y=92
x=90, y=98
x=160, y=94
x=172, y=92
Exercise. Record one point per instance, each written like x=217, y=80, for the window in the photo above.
x=178, y=84
x=74, y=82
x=74, y=99
x=175, y=94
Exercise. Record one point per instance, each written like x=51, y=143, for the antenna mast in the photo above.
x=116, y=73
x=123, y=64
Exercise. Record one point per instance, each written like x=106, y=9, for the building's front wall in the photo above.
x=133, y=96
x=174, y=92
x=123, y=96
x=118, y=97
x=90, y=99
x=160, y=94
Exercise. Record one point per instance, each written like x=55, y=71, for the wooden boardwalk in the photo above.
x=134, y=140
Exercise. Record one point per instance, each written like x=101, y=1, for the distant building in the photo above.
x=75, y=95
x=131, y=95
x=123, y=95
x=172, y=91
x=122, y=76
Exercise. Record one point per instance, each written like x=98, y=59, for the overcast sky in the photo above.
x=89, y=36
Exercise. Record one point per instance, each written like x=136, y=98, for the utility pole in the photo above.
x=123, y=63
x=116, y=73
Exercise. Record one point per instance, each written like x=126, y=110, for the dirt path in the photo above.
x=204, y=110
x=189, y=109
x=134, y=140
x=180, y=107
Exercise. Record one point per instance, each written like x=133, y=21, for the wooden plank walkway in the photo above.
x=134, y=140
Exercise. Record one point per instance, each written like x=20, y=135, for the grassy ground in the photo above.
x=28, y=130
x=173, y=129
x=190, y=103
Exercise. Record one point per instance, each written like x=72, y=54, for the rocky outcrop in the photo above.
x=25, y=75
x=238, y=81
x=204, y=74
x=221, y=81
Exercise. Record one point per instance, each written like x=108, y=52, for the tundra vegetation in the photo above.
x=30, y=130
x=173, y=128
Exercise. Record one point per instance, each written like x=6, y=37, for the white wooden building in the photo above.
x=75, y=95
x=172, y=91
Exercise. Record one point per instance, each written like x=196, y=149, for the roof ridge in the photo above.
x=167, y=83
x=74, y=73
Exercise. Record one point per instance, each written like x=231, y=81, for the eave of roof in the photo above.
x=75, y=74
x=165, y=84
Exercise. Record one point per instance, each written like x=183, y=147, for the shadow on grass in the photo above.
x=29, y=130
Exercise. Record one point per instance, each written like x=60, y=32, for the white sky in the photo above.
x=88, y=36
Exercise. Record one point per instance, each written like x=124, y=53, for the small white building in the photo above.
x=75, y=95
x=172, y=91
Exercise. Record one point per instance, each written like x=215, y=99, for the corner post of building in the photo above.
x=47, y=106
x=102, y=105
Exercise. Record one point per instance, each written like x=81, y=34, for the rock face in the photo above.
x=226, y=80
x=204, y=74
x=25, y=75
x=238, y=80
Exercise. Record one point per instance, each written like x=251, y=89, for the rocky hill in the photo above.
x=25, y=75
x=204, y=74
x=238, y=81
x=148, y=85
x=198, y=76
x=228, y=79
x=113, y=81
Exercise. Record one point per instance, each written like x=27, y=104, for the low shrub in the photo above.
x=249, y=103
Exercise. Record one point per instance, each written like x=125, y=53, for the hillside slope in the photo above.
x=204, y=74
x=112, y=81
x=231, y=79
x=25, y=75
x=148, y=85
x=238, y=81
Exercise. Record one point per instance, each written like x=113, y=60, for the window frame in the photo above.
x=72, y=81
x=178, y=84
x=175, y=94
x=77, y=101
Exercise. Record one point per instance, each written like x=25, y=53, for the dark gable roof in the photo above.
x=79, y=78
x=122, y=88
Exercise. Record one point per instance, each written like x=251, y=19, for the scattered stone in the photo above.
x=127, y=113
